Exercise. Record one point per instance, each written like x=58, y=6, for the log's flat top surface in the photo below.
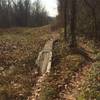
x=45, y=56
x=48, y=45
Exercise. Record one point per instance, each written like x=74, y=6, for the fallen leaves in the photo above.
x=18, y=51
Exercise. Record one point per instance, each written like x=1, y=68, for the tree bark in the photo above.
x=73, y=43
x=94, y=18
x=65, y=20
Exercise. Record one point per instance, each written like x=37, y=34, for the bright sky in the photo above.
x=51, y=6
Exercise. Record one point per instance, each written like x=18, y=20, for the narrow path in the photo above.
x=44, y=61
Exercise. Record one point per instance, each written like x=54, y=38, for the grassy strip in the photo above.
x=91, y=89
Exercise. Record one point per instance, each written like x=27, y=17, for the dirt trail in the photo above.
x=44, y=62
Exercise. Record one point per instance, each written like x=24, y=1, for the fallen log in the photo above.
x=44, y=59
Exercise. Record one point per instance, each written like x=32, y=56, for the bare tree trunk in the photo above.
x=65, y=20
x=73, y=43
x=95, y=23
x=94, y=17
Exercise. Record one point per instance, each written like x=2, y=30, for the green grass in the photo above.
x=91, y=88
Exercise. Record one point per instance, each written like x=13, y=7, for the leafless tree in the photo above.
x=22, y=13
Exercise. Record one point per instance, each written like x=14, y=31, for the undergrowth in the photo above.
x=64, y=66
x=19, y=48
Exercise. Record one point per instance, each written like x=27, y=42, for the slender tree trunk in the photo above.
x=65, y=20
x=95, y=24
x=93, y=10
x=73, y=43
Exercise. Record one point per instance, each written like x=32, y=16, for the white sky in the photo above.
x=51, y=7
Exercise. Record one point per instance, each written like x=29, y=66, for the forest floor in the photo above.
x=72, y=76
x=19, y=48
